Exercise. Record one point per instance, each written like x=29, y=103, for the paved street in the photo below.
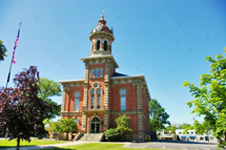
x=174, y=145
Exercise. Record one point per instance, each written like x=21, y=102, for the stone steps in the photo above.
x=92, y=137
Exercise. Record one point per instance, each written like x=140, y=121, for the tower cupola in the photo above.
x=101, y=38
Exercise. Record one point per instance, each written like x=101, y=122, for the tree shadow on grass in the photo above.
x=37, y=147
x=58, y=148
x=3, y=147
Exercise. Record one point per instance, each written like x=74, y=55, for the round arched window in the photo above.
x=98, y=44
x=105, y=45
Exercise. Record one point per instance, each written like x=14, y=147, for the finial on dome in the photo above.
x=102, y=21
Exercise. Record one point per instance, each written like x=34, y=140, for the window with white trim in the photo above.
x=123, y=99
x=98, y=44
x=97, y=73
x=76, y=121
x=98, y=98
x=76, y=101
x=105, y=45
x=101, y=72
x=92, y=99
x=92, y=73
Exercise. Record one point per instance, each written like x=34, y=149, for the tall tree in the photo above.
x=22, y=111
x=158, y=116
x=65, y=125
x=184, y=126
x=123, y=124
x=210, y=99
x=171, y=128
x=122, y=127
x=2, y=51
x=48, y=89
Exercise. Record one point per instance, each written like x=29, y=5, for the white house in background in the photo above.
x=189, y=136
x=192, y=136
x=166, y=135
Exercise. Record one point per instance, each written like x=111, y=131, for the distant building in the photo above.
x=96, y=100
x=166, y=135
x=191, y=135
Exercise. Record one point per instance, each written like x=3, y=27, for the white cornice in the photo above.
x=100, y=58
x=72, y=81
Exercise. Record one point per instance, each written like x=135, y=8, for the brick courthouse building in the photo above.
x=98, y=99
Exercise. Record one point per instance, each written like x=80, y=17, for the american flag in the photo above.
x=13, y=61
x=16, y=42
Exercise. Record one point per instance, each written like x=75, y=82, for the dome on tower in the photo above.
x=101, y=26
x=101, y=38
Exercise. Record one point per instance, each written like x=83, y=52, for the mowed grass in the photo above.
x=13, y=143
x=96, y=146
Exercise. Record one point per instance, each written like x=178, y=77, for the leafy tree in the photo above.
x=184, y=126
x=49, y=88
x=111, y=134
x=2, y=51
x=179, y=126
x=171, y=128
x=123, y=124
x=158, y=116
x=48, y=125
x=210, y=99
x=65, y=125
x=22, y=111
x=122, y=127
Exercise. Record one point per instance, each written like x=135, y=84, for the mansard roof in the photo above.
x=117, y=74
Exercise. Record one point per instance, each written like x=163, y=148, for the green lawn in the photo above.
x=13, y=143
x=97, y=146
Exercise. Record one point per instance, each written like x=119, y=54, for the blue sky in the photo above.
x=165, y=40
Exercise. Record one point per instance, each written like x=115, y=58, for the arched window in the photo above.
x=101, y=72
x=98, y=44
x=92, y=73
x=97, y=73
x=76, y=101
x=92, y=99
x=105, y=45
x=123, y=99
x=76, y=121
x=98, y=98
x=95, y=125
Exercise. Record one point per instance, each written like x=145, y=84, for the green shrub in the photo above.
x=112, y=135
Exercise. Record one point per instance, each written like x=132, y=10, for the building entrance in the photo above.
x=95, y=125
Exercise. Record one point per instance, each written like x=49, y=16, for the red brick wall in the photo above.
x=70, y=98
x=131, y=97
x=112, y=70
